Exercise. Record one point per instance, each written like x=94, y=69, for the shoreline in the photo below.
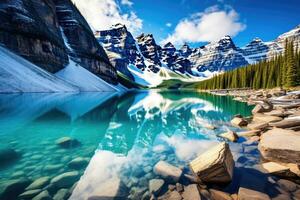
x=273, y=131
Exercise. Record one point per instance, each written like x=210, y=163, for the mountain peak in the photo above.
x=169, y=45
x=118, y=26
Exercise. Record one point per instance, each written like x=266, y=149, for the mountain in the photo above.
x=53, y=36
x=143, y=55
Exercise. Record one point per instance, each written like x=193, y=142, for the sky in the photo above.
x=195, y=22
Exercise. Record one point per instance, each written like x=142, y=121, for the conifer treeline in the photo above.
x=281, y=71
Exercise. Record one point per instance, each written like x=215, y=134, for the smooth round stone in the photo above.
x=18, y=174
x=78, y=163
x=29, y=194
x=53, y=168
x=43, y=196
x=66, y=179
x=67, y=142
x=39, y=183
x=36, y=157
x=61, y=194
x=155, y=186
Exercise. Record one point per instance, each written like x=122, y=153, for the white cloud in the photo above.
x=127, y=3
x=207, y=26
x=168, y=24
x=102, y=14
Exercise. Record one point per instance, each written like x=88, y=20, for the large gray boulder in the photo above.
x=215, y=165
x=280, y=145
x=168, y=171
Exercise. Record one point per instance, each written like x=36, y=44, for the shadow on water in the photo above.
x=122, y=136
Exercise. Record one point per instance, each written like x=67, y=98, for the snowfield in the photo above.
x=84, y=79
x=19, y=75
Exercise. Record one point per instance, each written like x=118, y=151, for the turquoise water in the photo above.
x=121, y=135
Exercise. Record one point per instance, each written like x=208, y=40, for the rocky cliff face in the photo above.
x=82, y=45
x=30, y=28
x=48, y=32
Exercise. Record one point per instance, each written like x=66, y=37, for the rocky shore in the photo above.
x=273, y=131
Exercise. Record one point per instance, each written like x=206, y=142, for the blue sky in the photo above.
x=195, y=21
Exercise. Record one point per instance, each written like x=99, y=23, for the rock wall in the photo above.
x=33, y=29
x=83, y=47
x=30, y=28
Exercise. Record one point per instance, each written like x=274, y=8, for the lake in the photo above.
x=119, y=138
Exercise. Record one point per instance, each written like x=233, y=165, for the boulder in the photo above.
x=66, y=179
x=280, y=145
x=8, y=156
x=171, y=195
x=258, y=109
x=191, y=192
x=78, y=163
x=286, y=123
x=265, y=118
x=155, y=186
x=215, y=165
x=277, y=169
x=277, y=113
x=29, y=194
x=249, y=194
x=12, y=188
x=238, y=121
x=39, y=183
x=67, y=142
x=230, y=135
x=258, y=125
x=61, y=194
x=179, y=187
x=249, y=133
x=287, y=185
x=43, y=196
x=219, y=195
x=168, y=171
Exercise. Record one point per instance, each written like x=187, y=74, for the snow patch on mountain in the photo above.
x=83, y=79
x=19, y=75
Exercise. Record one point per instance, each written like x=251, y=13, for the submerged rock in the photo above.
x=155, y=186
x=43, y=196
x=39, y=183
x=280, y=145
x=215, y=165
x=67, y=142
x=168, y=171
x=29, y=194
x=11, y=189
x=66, y=179
x=7, y=156
x=230, y=135
x=78, y=163
x=61, y=194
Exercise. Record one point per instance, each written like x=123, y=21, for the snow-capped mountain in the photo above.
x=144, y=56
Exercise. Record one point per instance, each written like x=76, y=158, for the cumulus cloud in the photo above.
x=127, y=3
x=168, y=24
x=207, y=26
x=102, y=14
